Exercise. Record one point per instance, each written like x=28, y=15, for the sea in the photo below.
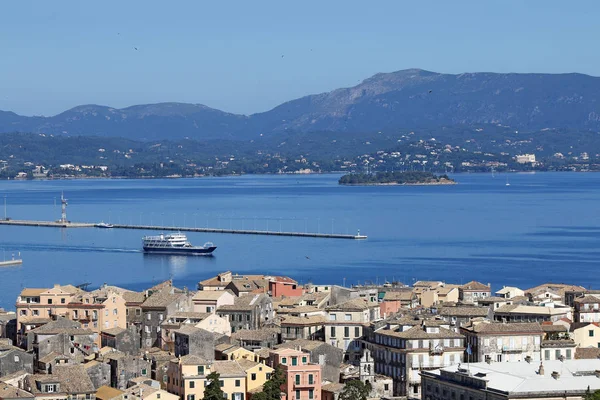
x=542, y=227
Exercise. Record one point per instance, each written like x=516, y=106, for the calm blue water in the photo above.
x=544, y=227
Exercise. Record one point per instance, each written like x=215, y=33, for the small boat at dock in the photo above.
x=103, y=225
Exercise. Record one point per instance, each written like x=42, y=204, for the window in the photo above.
x=294, y=361
x=238, y=383
x=224, y=395
x=357, y=332
x=148, y=316
x=333, y=331
x=23, y=312
x=499, y=358
x=138, y=312
x=283, y=360
x=62, y=301
x=303, y=360
x=191, y=397
x=386, y=386
x=221, y=383
x=297, y=379
x=192, y=384
x=253, y=377
x=346, y=331
x=200, y=369
x=347, y=317
x=568, y=354
x=16, y=358
x=311, y=393
x=49, y=301
x=158, y=395
x=332, y=317
x=310, y=379
x=209, y=309
x=115, y=311
x=247, y=317
x=297, y=394
x=268, y=376
x=88, y=396
x=160, y=317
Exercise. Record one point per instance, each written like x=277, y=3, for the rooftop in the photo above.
x=227, y=368
x=475, y=286
x=523, y=377
x=505, y=328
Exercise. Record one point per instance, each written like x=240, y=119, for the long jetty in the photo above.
x=60, y=224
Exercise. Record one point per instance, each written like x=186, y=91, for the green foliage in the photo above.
x=272, y=387
x=408, y=177
x=213, y=390
x=355, y=390
x=591, y=396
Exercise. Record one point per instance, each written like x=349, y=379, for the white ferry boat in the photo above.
x=175, y=243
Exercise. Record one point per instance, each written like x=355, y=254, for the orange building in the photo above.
x=284, y=286
x=303, y=379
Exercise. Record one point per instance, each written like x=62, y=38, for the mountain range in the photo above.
x=407, y=99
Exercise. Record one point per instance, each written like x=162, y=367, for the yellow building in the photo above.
x=186, y=377
x=232, y=352
x=256, y=374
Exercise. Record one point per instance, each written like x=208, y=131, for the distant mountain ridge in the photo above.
x=407, y=99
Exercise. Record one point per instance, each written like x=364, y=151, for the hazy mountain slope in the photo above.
x=409, y=99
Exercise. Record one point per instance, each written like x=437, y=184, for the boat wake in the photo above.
x=71, y=249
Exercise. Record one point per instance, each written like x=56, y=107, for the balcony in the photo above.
x=511, y=349
x=304, y=385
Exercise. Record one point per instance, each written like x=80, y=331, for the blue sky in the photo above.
x=228, y=54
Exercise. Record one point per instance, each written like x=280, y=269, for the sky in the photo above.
x=249, y=56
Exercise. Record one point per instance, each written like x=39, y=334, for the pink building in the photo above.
x=303, y=379
x=284, y=286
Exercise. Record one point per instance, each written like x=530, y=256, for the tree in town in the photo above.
x=213, y=390
x=355, y=390
x=272, y=387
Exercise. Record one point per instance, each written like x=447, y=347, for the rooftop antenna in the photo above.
x=63, y=214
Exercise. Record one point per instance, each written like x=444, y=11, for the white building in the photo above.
x=525, y=158
x=527, y=381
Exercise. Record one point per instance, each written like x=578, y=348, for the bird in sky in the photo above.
x=307, y=257
x=135, y=48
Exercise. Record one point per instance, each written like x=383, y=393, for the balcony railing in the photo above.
x=512, y=349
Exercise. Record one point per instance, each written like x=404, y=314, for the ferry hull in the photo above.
x=192, y=251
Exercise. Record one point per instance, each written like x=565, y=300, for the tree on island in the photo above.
x=355, y=390
x=272, y=387
x=213, y=390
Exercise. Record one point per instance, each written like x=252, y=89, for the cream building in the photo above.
x=585, y=334
x=100, y=309
x=186, y=377
x=214, y=323
x=403, y=347
x=501, y=342
x=344, y=327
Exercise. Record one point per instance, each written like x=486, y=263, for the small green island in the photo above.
x=396, y=178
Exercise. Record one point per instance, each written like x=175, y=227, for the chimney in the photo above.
x=541, y=370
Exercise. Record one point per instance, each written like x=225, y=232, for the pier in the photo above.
x=69, y=224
